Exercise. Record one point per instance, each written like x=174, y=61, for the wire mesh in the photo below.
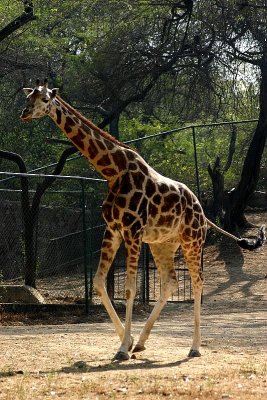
x=67, y=229
x=57, y=234
x=56, y=244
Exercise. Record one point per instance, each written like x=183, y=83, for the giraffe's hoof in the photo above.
x=131, y=344
x=138, y=348
x=194, y=353
x=121, y=356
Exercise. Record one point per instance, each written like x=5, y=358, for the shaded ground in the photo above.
x=73, y=361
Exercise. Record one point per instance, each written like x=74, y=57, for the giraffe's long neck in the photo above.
x=104, y=152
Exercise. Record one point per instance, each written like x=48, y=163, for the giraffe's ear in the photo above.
x=27, y=91
x=54, y=92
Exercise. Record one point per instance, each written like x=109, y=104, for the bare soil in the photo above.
x=63, y=360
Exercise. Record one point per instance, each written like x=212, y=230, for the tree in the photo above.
x=164, y=62
x=30, y=211
x=18, y=22
x=242, y=34
x=217, y=177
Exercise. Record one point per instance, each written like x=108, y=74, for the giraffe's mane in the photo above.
x=91, y=125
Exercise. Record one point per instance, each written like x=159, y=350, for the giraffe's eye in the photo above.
x=45, y=100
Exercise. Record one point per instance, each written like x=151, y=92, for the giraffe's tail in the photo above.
x=244, y=243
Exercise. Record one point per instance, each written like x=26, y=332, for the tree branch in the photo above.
x=24, y=18
x=48, y=180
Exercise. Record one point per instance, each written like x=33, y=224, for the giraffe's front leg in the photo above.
x=164, y=258
x=132, y=255
x=110, y=245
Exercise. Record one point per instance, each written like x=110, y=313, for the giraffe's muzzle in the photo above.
x=26, y=115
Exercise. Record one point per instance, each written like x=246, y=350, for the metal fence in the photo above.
x=67, y=227
x=67, y=231
x=58, y=244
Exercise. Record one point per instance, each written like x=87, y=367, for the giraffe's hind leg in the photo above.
x=163, y=255
x=193, y=254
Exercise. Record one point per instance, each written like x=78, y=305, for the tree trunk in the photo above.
x=217, y=179
x=114, y=125
x=251, y=168
x=30, y=213
x=30, y=256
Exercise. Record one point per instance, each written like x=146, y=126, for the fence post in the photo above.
x=198, y=193
x=85, y=257
x=90, y=248
x=196, y=163
x=142, y=265
x=147, y=278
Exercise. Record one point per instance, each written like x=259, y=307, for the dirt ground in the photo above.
x=74, y=361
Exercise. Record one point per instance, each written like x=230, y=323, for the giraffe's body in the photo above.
x=141, y=206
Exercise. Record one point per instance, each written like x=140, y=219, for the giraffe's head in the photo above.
x=39, y=101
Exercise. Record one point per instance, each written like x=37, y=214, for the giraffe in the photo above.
x=141, y=206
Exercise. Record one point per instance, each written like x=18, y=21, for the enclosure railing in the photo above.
x=193, y=129
x=67, y=234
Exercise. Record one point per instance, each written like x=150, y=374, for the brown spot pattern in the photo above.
x=119, y=159
x=104, y=161
x=69, y=123
x=109, y=171
x=126, y=185
x=116, y=212
x=188, y=215
x=128, y=219
x=142, y=207
x=78, y=139
x=163, y=188
x=153, y=210
x=143, y=167
x=165, y=220
x=197, y=208
x=100, y=145
x=92, y=150
x=157, y=199
x=135, y=228
x=121, y=201
x=134, y=202
x=138, y=179
x=130, y=155
x=59, y=119
x=150, y=188
x=169, y=202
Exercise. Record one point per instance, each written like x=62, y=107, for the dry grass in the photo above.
x=217, y=375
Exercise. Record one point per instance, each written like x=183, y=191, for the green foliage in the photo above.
x=102, y=54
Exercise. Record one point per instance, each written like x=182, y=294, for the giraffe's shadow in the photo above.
x=141, y=363
x=233, y=257
x=82, y=367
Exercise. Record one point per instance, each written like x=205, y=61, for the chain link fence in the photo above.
x=65, y=231
x=53, y=237
x=54, y=256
